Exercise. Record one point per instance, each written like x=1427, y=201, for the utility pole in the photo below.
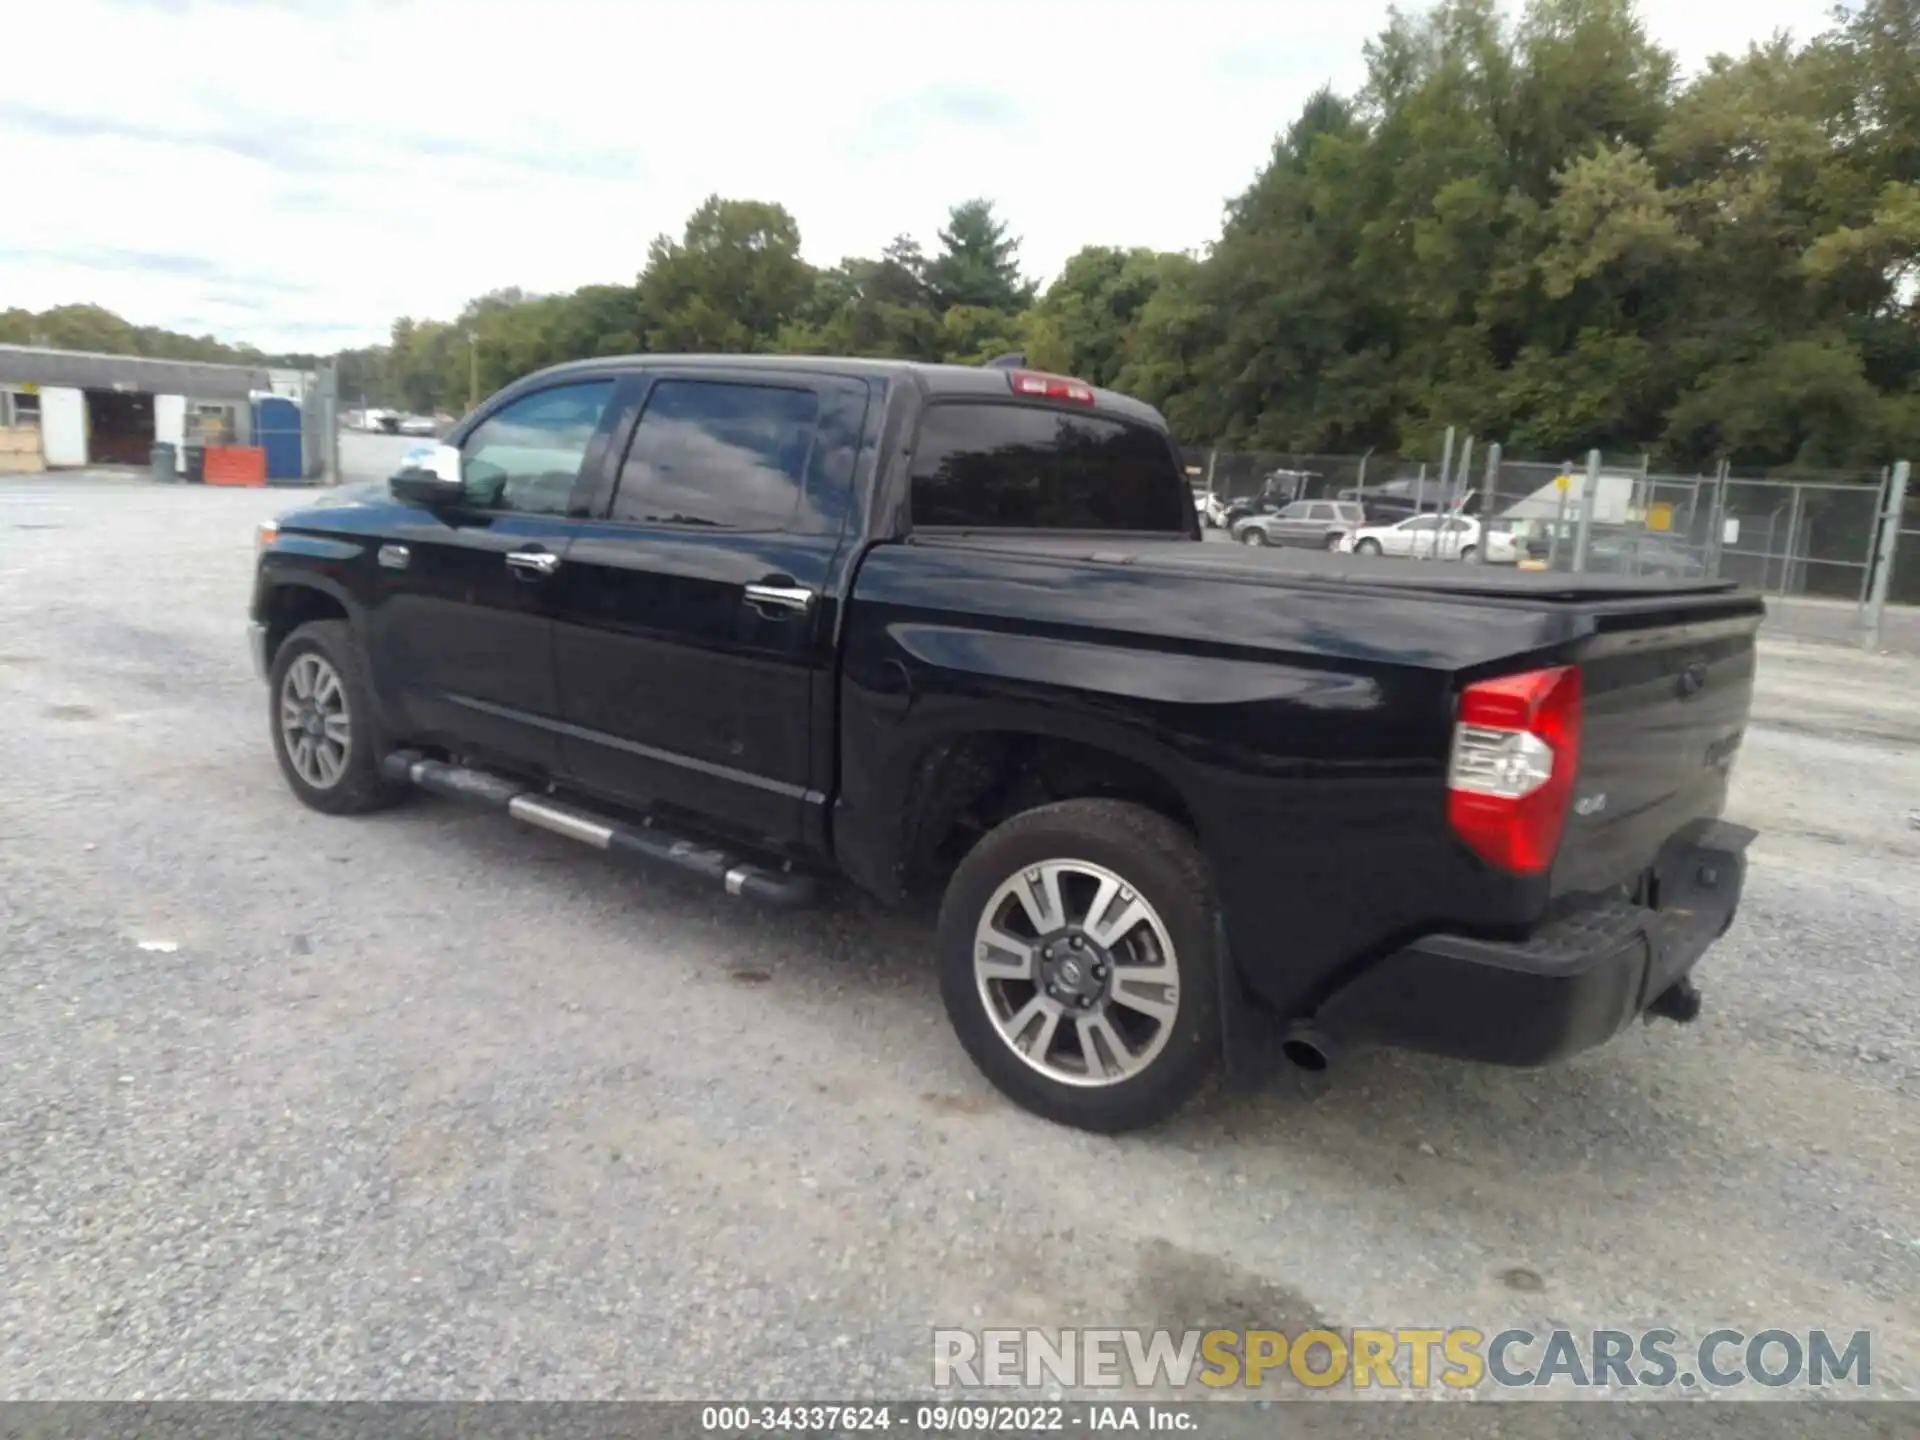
x=473, y=371
x=1889, y=537
x=1458, y=508
x=1583, y=525
x=327, y=399
x=1446, y=492
x=1489, y=492
x=1717, y=519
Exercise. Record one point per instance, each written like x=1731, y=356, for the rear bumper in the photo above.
x=1569, y=986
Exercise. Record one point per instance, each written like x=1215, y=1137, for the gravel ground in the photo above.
x=431, y=1105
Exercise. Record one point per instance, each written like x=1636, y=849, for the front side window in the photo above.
x=1297, y=511
x=1025, y=467
x=526, y=457
x=718, y=453
x=1422, y=523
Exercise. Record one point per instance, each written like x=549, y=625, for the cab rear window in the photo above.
x=1031, y=467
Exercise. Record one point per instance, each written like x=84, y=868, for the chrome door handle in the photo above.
x=780, y=597
x=540, y=562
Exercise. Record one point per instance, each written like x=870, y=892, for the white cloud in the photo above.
x=296, y=174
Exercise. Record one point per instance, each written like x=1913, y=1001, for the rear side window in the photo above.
x=717, y=454
x=1017, y=467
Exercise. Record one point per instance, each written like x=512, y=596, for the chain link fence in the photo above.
x=1814, y=543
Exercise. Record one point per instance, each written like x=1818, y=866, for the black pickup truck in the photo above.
x=951, y=632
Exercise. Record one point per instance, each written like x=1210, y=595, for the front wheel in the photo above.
x=1078, y=963
x=1367, y=547
x=1468, y=554
x=1253, y=536
x=324, y=734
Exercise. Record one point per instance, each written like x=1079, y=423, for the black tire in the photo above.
x=1253, y=535
x=1466, y=555
x=1332, y=541
x=1160, y=861
x=1367, y=547
x=359, y=787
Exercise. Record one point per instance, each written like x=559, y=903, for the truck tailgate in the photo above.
x=1665, y=707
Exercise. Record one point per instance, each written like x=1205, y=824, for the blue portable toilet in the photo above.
x=276, y=429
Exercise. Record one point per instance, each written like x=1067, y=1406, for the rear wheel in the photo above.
x=1253, y=536
x=1333, y=541
x=1368, y=547
x=324, y=734
x=1078, y=963
x=1469, y=553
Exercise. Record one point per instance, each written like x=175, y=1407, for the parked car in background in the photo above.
x=419, y=425
x=1435, y=537
x=1620, y=552
x=1395, y=500
x=1315, y=524
x=1644, y=552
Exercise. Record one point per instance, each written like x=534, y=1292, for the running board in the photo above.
x=641, y=839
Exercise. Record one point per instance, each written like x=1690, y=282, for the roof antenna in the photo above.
x=1016, y=360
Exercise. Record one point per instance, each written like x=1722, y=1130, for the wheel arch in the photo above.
x=962, y=783
x=290, y=603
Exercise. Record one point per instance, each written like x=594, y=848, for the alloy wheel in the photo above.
x=315, y=724
x=1077, y=972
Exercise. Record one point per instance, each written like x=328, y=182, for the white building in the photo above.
x=69, y=409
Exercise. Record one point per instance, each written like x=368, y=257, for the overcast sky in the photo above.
x=295, y=173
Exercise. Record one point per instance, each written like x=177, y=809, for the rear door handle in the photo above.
x=795, y=598
x=534, y=562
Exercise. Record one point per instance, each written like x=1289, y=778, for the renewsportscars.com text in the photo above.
x=1460, y=1358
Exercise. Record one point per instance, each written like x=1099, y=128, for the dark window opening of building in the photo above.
x=19, y=408
x=119, y=428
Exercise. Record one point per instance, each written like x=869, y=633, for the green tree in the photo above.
x=730, y=284
x=879, y=308
x=977, y=265
x=1083, y=324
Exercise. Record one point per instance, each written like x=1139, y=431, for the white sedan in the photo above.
x=1434, y=537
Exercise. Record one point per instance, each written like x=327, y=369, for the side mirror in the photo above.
x=429, y=476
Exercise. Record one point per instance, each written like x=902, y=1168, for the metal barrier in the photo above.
x=1817, y=544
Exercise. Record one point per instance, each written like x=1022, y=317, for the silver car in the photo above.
x=1314, y=524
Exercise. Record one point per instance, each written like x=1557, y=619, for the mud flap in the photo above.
x=1249, y=1039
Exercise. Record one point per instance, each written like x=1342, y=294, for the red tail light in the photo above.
x=1050, y=387
x=1516, y=746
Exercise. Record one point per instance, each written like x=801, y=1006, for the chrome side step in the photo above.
x=642, y=840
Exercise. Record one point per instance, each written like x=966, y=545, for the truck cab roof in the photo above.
x=934, y=380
